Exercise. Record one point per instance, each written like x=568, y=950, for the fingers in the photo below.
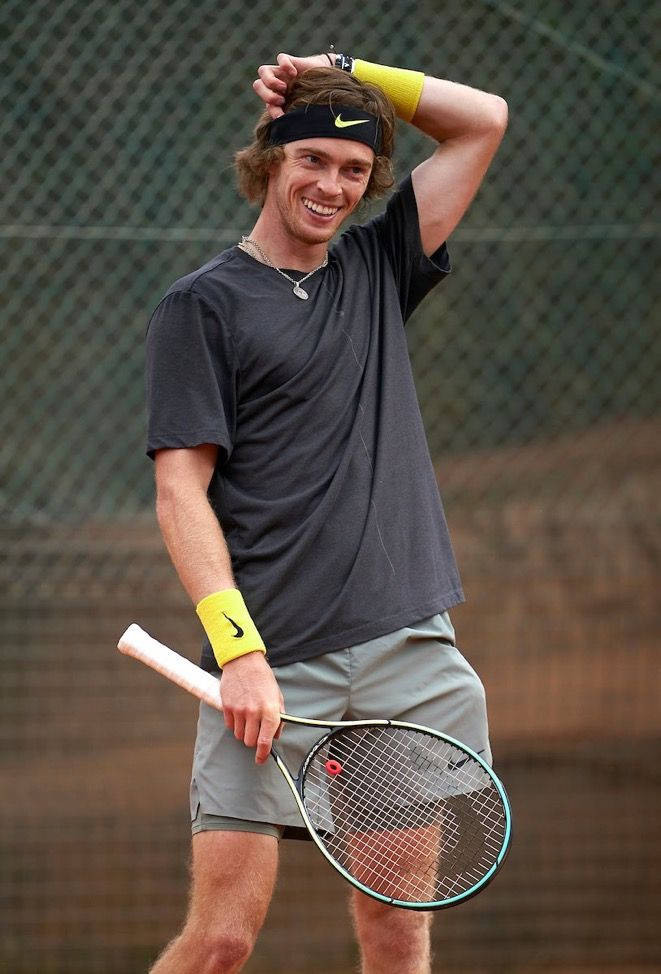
x=252, y=702
x=273, y=81
x=255, y=730
x=281, y=710
x=268, y=730
x=286, y=63
x=269, y=83
x=270, y=95
x=271, y=99
x=228, y=717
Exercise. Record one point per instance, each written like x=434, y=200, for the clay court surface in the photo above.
x=563, y=625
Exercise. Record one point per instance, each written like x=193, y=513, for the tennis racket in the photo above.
x=407, y=815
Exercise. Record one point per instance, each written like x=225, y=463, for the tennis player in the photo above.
x=295, y=491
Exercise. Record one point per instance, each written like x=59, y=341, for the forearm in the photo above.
x=195, y=542
x=252, y=702
x=450, y=111
x=441, y=109
x=467, y=125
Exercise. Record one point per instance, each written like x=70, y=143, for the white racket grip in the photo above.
x=139, y=644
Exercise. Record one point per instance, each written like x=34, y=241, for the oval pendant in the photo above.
x=300, y=293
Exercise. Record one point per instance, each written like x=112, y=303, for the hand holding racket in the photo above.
x=250, y=680
x=406, y=814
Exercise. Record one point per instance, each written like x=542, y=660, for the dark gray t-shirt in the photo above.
x=324, y=486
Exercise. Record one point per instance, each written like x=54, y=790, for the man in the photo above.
x=295, y=492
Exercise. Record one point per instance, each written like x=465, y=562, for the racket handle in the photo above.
x=139, y=644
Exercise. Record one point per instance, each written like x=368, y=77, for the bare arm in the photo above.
x=252, y=701
x=190, y=528
x=467, y=124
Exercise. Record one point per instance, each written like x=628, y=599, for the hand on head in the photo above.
x=275, y=79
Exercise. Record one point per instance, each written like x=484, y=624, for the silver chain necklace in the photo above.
x=297, y=289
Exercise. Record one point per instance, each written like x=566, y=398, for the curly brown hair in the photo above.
x=319, y=86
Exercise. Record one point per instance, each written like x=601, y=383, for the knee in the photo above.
x=225, y=951
x=394, y=933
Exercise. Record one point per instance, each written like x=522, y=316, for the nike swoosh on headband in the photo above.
x=341, y=124
x=326, y=121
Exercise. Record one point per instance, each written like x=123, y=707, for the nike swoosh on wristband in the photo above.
x=341, y=124
x=239, y=630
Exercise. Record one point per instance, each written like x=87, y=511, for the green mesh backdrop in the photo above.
x=538, y=371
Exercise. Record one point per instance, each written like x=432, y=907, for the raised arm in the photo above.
x=251, y=698
x=467, y=125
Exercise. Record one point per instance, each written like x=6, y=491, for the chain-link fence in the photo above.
x=537, y=366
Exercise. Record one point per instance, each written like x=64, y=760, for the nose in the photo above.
x=328, y=182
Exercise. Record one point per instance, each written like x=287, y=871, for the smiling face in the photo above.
x=316, y=186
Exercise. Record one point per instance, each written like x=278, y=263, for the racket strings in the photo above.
x=409, y=815
x=406, y=851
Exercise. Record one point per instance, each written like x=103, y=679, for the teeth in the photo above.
x=318, y=208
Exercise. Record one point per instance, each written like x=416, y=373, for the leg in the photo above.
x=233, y=879
x=392, y=941
x=402, y=863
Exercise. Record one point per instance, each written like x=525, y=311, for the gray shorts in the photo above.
x=414, y=674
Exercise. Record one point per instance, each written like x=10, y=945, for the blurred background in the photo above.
x=537, y=365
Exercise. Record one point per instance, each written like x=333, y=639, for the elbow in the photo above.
x=165, y=502
x=182, y=477
x=498, y=114
x=177, y=498
x=169, y=499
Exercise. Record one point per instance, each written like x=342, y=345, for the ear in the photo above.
x=279, y=158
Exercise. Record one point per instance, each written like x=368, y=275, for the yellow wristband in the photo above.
x=401, y=86
x=227, y=623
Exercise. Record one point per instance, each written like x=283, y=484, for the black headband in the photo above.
x=325, y=122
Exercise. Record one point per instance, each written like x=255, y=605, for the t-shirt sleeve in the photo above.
x=398, y=230
x=191, y=376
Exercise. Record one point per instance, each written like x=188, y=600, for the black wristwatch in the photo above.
x=344, y=62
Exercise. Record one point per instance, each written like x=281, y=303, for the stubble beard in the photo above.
x=296, y=229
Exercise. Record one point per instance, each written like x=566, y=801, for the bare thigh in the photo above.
x=233, y=876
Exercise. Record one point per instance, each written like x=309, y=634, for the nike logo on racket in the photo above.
x=455, y=765
x=239, y=630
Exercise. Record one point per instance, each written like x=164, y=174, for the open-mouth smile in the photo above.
x=318, y=208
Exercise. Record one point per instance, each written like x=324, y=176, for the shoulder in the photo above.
x=204, y=280
x=204, y=292
x=401, y=201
